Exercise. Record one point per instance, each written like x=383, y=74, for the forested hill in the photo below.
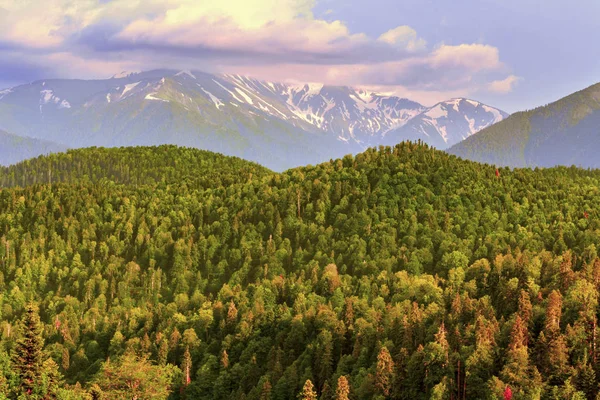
x=401, y=273
x=561, y=133
x=133, y=166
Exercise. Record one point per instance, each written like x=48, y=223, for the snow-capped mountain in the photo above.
x=448, y=122
x=354, y=115
x=279, y=125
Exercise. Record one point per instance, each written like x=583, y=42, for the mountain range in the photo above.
x=566, y=132
x=279, y=125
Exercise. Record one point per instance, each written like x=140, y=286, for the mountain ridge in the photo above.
x=563, y=132
x=279, y=125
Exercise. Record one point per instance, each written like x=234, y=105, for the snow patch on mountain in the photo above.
x=186, y=72
x=244, y=95
x=128, y=88
x=46, y=96
x=437, y=112
x=228, y=91
x=150, y=96
x=214, y=99
x=454, y=103
x=5, y=92
x=497, y=115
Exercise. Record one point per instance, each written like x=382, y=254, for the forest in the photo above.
x=399, y=273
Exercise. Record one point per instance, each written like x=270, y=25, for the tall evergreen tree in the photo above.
x=308, y=391
x=342, y=392
x=385, y=371
x=28, y=353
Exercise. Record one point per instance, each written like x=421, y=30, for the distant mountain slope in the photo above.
x=278, y=125
x=566, y=132
x=16, y=148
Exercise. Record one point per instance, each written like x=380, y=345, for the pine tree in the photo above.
x=66, y=359
x=325, y=357
x=343, y=389
x=385, y=371
x=265, y=393
x=232, y=313
x=27, y=356
x=308, y=391
x=163, y=352
x=327, y=392
x=555, y=353
x=187, y=366
x=517, y=371
x=225, y=359
x=51, y=379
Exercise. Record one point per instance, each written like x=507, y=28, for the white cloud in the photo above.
x=271, y=39
x=405, y=36
x=505, y=85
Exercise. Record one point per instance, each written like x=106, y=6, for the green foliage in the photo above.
x=407, y=272
x=134, y=377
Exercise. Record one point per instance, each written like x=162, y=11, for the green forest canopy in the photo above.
x=400, y=273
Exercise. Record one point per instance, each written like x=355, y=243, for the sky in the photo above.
x=512, y=54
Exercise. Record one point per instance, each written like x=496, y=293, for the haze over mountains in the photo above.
x=566, y=132
x=278, y=125
x=15, y=148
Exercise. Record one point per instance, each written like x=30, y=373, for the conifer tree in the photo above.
x=28, y=356
x=308, y=391
x=163, y=351
x=385, y=371
x=265, y=393
x=187, y=366
x=342, y=392
x=327, y=392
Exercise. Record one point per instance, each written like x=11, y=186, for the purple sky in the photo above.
x=513, y=54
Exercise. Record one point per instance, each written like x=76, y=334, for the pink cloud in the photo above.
x=505, y=85
x=277, y=40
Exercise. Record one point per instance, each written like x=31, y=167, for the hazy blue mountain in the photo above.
x=278, y=125
x=566, y=132
x=15, y=148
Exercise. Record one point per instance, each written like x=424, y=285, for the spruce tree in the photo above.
x=342, y=391
x=385, y=371
x=27, y=356
x=308, y=391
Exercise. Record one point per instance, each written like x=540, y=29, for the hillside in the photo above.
x=562, y=133
x=159, y=165
x=400, y=273
x=16, y=148
x=276, y=124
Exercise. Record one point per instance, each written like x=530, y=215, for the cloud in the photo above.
x=404, y=36
x=270, y=39
x=504, y=85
